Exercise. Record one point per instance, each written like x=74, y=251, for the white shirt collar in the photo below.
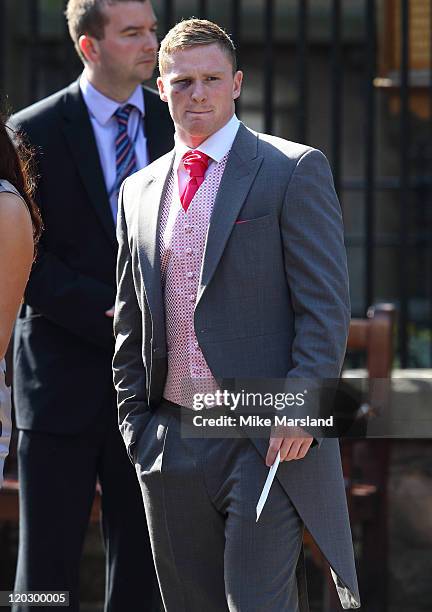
x=101, y=107
x=216, y=146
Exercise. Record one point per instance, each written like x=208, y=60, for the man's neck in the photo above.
x=113, y=91
x=193, y=142
x=189, y=140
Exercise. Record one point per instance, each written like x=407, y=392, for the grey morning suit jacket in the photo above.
x=272, y=302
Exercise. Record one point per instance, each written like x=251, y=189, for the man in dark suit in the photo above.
x=88, y=138
x=235, y=270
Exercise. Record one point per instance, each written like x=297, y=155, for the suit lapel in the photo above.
x=80, y=137
x=150, y=198
x=241, y=169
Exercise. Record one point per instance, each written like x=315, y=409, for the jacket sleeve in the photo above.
x=128, y=365
x=316, y=271
x=62, y=294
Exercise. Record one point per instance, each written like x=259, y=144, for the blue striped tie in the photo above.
x=126, y=162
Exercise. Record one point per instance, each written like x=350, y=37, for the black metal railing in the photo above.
x=404, y=185
x=369, y=150
x=302, y=70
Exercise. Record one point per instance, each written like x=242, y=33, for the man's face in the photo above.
x=200, y=88
x=127, y=54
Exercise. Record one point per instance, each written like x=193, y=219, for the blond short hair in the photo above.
x=193, y=32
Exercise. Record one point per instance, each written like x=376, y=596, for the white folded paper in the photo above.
x=267, y=485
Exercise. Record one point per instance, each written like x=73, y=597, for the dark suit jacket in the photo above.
x=63, y=340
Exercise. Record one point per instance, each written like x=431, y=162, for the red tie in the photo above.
x=196, y=164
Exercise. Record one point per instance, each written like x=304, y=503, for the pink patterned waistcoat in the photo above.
x=182, y=238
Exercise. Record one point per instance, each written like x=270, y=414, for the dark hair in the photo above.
x=16, y=167
x=191, y=32
x=88, y=17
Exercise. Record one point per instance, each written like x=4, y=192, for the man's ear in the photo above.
x=161, y=88
x=89, y=48
x=238, y=80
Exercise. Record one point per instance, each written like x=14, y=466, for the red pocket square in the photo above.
x=241, y=221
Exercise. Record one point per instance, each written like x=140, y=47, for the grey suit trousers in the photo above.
x=200, y=497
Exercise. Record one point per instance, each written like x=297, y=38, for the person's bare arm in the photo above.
x=16, y=256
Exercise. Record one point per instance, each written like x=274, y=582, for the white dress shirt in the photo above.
x=216, y=146
x=105, y=127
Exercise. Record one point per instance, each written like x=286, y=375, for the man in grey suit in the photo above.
x=231, y=265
